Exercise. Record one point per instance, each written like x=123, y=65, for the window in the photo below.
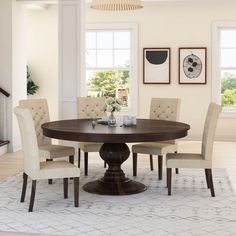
x=111, y=63
x=224, y=65
x=228, y=67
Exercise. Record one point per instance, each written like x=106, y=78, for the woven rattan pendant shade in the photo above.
x=116, y=5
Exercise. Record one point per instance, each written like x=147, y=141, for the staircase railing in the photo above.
x=3, y=114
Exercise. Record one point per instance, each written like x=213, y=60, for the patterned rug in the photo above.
x=189, y=211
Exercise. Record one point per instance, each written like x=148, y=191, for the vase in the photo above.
x=112, y=119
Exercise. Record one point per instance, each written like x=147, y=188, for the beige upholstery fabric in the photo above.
x=203, y=160
x=90, y=108
x=161, y=109
x=40, y=114
x=154, y=148
x=32, y=166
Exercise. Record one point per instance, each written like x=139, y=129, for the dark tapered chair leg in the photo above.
x=105, y=164
x=151, y=163
x=76, y=191
x=85, y=163
x=50, y=180
x=71, y=159
x=207, y=178
x=135, y=155
x=210, y=182
x=176, y=169
x=32, y=197
x=65, y=183
x=25, y=178
x=169, y=173
x=160, y=164
x=79, y=153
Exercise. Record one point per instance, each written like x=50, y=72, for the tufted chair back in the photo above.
x=209, y=130
x=165, y=109
x=40, y=114
x=28, y=138
x=90, y=107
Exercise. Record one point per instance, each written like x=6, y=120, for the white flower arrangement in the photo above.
x=112, y=104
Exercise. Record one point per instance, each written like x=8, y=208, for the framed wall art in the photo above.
x=156, y=65
x=192, y=65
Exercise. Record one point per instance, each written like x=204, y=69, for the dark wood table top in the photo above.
x=146, y=130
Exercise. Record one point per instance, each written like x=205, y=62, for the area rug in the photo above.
x=189, y=211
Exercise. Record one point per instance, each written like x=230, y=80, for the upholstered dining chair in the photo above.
x=160, y=109
x=37, y=170
x=40, y=114
x=89, y=108
x=202, y=160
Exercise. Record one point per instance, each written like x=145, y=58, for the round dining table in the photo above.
x=114, y=150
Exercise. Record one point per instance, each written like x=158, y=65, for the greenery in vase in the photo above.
x=112, y=104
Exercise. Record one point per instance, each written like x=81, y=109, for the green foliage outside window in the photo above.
x=228, y=90
x=107, y=83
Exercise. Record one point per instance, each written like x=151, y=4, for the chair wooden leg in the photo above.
x=85, y=163
x=105, y=164
x=151, y=163
x=32, y=197
x=79, y=153
x=76, y=191
x=65, y=183
x=207, y=178
x=135, y=155
x=160, y=164
x=71, y=159
x=210, y=182
x=169, y=173
x=24, y=186
x=50, y=180
x=176, y=169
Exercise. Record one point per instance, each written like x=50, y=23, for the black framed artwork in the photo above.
x=192, y=65
x=156, y=65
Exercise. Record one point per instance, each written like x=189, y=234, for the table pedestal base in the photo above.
x=114, y=181
x=124, y=188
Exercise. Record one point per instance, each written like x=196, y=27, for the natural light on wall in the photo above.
x=228, y=67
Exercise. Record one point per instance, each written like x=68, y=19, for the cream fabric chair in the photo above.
x=37, y=170
x=89, y=108
x=40, y=114
x=161, y=109
x=203, y=160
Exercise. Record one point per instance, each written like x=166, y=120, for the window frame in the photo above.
x=216, y=65
x=133, y=89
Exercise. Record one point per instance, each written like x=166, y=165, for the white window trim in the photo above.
x=133, y=110
x=216, y=68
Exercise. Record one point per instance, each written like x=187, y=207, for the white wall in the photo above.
x=13, y=62
x=177, y=25
x=165, y=25
x=43, y=55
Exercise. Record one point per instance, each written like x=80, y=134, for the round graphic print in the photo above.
x=192, y=66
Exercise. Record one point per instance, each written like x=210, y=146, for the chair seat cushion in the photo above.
x=90, y=146
x=154, y=148
x=55, y=151
x=54, y=170
x=187, y=160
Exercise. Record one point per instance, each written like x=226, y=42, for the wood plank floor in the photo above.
x=224, y=157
